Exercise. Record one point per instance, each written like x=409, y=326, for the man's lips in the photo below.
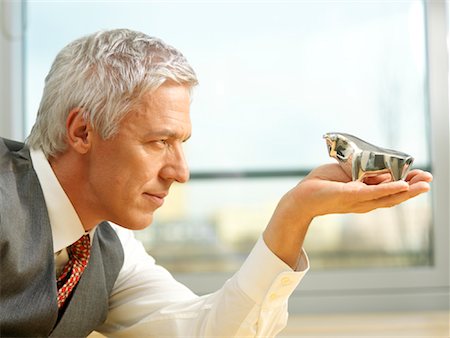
x=156, y=198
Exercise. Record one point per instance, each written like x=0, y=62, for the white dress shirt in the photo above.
x=146, y=301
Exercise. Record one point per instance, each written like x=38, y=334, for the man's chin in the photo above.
x=136, y=224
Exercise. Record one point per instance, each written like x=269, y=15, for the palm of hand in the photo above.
x=328, y=190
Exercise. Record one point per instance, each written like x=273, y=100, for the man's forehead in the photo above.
x=167, y=100
x=167, y=90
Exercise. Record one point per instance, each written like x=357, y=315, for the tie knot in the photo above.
x=81, y=248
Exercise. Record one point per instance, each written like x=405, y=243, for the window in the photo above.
x=274, y=77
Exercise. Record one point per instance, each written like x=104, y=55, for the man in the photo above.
x=106, y=146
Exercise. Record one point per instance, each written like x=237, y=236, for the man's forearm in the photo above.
x=286, y=230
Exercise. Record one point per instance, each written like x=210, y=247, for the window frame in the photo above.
x=12, y=59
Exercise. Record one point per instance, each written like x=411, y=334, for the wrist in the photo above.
x=287, y=229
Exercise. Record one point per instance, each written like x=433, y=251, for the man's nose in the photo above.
x=176, y=168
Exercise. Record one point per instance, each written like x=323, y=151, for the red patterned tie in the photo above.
x=79, y=253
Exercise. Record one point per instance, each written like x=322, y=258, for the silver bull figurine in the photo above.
x=360, y=159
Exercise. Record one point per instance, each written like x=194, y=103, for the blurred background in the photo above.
x=274, y=77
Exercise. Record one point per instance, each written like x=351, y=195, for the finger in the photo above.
x=393, y=200
x=419, y=187
x=381, y=178
x=365, y=192
x=418, y=175
x=388, y=201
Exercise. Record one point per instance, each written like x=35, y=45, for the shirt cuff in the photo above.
x=265, y=277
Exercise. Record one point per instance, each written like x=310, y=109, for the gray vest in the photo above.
x=27, y=272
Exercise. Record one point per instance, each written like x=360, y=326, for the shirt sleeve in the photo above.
x=147, y=301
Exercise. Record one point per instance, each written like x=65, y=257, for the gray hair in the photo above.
x=104, y=74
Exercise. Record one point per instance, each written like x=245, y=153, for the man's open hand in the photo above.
x=328, y=190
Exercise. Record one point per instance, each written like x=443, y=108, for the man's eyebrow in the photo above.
x=187, y=138
x=166, y=133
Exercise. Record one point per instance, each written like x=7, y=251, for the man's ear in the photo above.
x=79, y=131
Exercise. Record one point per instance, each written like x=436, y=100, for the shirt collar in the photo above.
x=64, y=221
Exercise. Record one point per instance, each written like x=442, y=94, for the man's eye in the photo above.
x=158, y=143
x=161, y=142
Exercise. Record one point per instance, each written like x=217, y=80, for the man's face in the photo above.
x=130, y=174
